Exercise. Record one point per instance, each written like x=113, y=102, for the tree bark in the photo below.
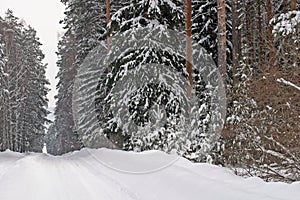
x=260, y=37
x=285, y=4
x=189, y=48
x=108, y=17
x=234, y=39
x=294, y=4
x=222, y=38
x=250, y=36
x=270, y=35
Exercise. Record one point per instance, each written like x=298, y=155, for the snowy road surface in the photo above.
x=114, y=175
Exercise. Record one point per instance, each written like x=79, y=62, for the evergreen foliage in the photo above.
x=154, y=116
x=261, y=129
x=23, y=87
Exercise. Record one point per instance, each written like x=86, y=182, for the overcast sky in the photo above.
x=44, y=17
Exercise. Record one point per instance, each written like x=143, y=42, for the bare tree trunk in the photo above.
x=270, y=35
x=260, y=38
x=235, y=40
x=108, y=17
x=239, y=30
x=222, y=38
x=294, y=4
x=249, y=36
x=189, y=48
x=285, y=4
x=108, y=39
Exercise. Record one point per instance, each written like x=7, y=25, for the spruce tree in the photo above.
x=85, y=24
x=151, y=115
x=86, y=78
x=63, y=123
x=34, y=92
x=23, y=97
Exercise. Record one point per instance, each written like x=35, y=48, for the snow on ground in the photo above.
x=115, y=175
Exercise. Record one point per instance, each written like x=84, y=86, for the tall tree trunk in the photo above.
x=270, y=35
x=294, y=5
x=250, y=49
x=222, y=38
x=285, y=5
x=239, y=30
x=235, y=40
x=189, y=48
x=108, y=17
x=260, y=38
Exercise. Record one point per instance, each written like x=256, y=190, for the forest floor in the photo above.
x=115, y=175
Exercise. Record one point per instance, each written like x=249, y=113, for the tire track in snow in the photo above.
x=59, y=178
x=126, y=193
x=8, y=163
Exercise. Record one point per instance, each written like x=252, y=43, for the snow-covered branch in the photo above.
x=281, y=80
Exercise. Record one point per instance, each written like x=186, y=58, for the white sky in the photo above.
x=44, y=17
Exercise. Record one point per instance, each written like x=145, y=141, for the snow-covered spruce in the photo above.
x=144, y=43
x=141, y=13
x=23, y=90
x=85, y=23
x=156, y=115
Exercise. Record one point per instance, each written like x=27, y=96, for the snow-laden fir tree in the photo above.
x=64, y=134
x=150, y=114
x=32, y=86
x=86, y=20
x=23, y=102
x=8, y=24
x=84, y=91
x=85, y=26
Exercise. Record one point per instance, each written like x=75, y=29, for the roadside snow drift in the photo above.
x=115, y=175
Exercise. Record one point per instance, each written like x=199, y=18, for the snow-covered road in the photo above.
x=114, y=175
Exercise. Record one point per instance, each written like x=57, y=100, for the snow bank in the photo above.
x=115, y=175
